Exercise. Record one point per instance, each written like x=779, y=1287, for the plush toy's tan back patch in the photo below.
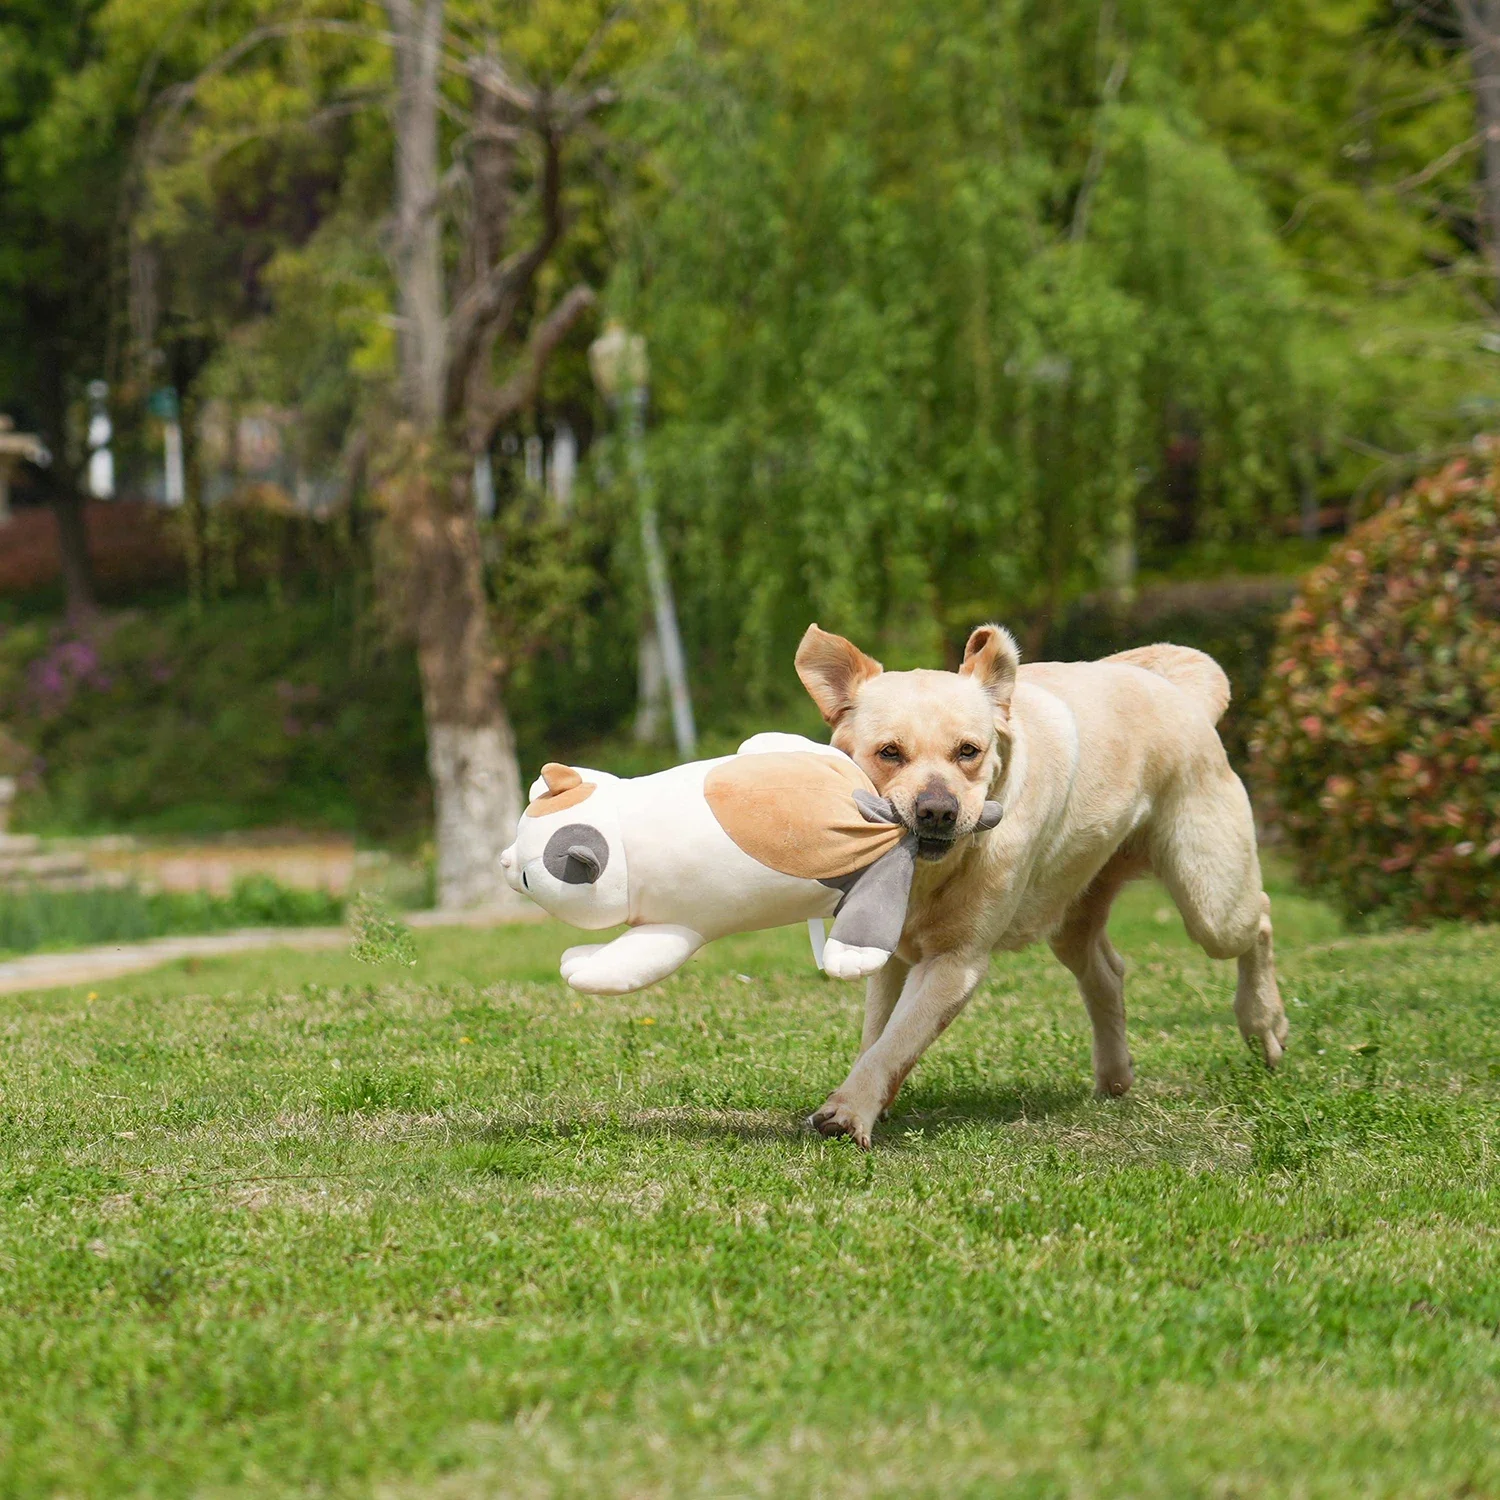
x=795, y=811
x=565, y=788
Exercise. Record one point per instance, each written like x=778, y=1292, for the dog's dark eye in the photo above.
x=890, y=753
x=967, y=751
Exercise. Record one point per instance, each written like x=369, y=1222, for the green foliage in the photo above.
x=1379, y=746
x=928, y=305
x=242, y=714
x=379, y=936
x=472, y=1234
x=35, y=919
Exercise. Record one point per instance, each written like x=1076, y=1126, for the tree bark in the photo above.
x=1481, y=26
x=79, y=601
x=422, y=339
x=471, y=751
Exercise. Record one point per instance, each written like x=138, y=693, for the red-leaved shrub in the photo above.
x=1378, y=747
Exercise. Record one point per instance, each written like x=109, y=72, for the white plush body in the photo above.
x=672, y=873
x=685, y=869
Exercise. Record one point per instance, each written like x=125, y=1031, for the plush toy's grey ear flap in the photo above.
x=582, y=866
x=990, y=815
x=875, y=809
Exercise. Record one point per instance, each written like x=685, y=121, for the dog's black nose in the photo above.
x=936, y=811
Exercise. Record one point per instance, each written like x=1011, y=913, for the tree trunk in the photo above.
x=471, y=752
x=1481, y=24
x=422, y=337
x=446, y=347
x=651, y=685
x=79, y=602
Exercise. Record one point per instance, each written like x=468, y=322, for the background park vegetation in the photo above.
x=1111, y=319
x=955, y=311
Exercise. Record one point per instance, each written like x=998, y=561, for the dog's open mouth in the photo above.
x=933, y=849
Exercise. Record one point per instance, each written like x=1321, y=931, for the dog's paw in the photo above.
x=574, y=959
x=1273, y=1044
x=1269, y=1039
x=839, y=1117
x=1114, y=1072
x=842, y=961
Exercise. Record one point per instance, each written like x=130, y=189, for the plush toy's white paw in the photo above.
x=574, y=958
x=606, y=978
x=840, y=961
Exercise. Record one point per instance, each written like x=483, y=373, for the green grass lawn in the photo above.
x=284, y=1225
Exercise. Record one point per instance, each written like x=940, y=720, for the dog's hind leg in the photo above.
x=1082, y=944
x=1203, y=848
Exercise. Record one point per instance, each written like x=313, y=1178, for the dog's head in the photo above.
x=934, y=743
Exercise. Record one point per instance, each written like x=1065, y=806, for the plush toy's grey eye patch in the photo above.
x=576, y=854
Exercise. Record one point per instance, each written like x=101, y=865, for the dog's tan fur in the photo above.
x=1106, y=770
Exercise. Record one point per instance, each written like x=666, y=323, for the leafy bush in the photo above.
x=36, y=919
x=247, y=713
x=1379, y=747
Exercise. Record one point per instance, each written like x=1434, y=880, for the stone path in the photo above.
x=50, y=971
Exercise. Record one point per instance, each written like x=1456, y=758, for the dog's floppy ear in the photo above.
x=991, y=658
x=833, y=670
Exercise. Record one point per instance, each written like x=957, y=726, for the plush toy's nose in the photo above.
x=508, y=857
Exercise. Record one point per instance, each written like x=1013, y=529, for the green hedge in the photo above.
x=38, y=919
x=248, y=713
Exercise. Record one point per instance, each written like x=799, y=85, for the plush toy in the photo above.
x=785, y=830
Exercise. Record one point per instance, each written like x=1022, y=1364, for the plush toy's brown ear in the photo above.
x=560, y=778
x=833, y=670
x=992, y=658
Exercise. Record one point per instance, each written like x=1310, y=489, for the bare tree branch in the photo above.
x=490, y=406
x=590, y=49
x=1095, y=167
x=1438, y=165
x=490, y=302
x=177, y=98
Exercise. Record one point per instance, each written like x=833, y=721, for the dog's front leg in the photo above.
x=882, y=992
x=934, y=993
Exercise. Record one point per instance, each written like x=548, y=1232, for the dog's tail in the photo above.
x=1196, y=674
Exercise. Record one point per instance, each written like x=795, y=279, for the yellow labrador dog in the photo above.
x=1106, y=770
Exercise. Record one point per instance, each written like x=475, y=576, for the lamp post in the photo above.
x=621, y=370
x=165, y=407
x=101, y=470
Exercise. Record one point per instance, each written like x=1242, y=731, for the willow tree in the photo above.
x=973, y=273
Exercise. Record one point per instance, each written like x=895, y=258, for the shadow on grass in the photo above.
x=510, y=1145
x=1000, y=1104
x=679, y=1122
